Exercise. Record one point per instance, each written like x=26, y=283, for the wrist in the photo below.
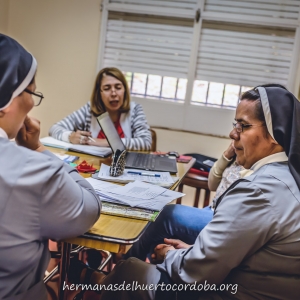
x=165, y=256
x=40, y=147
x=70, y=136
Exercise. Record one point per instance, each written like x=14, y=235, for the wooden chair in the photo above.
x=153, y=145
x=197, y=182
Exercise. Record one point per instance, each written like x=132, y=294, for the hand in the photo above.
x=80, y=137
x=177, y=244
x=229, y=152
x=160, y=252
x=98, y=142
x=29, y=134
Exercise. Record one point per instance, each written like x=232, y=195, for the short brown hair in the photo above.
x=97, y=105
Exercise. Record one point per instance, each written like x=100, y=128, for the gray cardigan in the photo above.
x=41, y=198
x=253, y=240
x=134, y=124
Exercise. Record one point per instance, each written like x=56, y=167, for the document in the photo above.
x=134, y=194
x=158, y=178
x=66, y=158
x=139, y=189
x=129, y=212
x=93, y=150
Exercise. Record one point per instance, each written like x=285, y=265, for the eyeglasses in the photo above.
x=37, y=97
x=239, y=127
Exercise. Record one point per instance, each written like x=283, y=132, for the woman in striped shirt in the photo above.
x=111, y=94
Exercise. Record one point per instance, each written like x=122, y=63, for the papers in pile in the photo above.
x=162, y=178
x=135, y=194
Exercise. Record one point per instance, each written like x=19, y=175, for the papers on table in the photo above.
x=135, y=194
x=162, y=179
x=66, y=158
x=129, y=212
x=93, y=150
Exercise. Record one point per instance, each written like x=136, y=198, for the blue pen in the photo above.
x=143, y=174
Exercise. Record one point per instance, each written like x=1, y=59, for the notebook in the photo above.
x=92, y=150
x=135, y=160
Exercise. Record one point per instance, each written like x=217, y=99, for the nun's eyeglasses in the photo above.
x=37, y=97
x=239, y=127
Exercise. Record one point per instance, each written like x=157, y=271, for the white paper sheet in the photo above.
x=107, y=193
x=164, y=179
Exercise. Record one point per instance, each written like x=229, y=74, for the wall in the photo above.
x=186, y=142
x=4, y=16
x=63, y=36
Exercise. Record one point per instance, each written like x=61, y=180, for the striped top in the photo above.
x=134, y=124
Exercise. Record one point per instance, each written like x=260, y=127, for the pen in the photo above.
x=143, y=174
x=91, y=139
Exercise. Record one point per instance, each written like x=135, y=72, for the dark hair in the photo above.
x=253, y=95
x=97, y=105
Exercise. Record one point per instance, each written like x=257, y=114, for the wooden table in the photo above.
x=112, y=233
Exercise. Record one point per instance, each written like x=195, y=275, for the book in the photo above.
x=128, y=211
x=92, y=150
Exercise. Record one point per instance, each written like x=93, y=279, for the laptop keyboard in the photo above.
x=146, y=161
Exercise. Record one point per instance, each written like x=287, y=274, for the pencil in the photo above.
x=91, y=139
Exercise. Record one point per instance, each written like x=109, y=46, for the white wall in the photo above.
x=186, y=142
x=3, y=16
x=63, y=35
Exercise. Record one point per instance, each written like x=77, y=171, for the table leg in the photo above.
x=64, y=266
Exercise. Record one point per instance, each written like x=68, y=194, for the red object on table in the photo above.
x=198, y=172
x=84, y=167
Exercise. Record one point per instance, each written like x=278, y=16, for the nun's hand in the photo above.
x=177, y=244
x=29, y=135
x=160, y=252
x=229, y=152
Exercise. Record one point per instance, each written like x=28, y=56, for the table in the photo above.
x=112, y=233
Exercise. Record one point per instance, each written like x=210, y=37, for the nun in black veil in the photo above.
x=251, y=248
x=41, y=197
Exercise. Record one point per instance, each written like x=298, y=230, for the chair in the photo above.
x=153, y=145
x=196, y=181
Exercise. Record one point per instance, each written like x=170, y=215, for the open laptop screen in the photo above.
x=110, y=132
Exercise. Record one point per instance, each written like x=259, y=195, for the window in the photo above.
x=192, y=56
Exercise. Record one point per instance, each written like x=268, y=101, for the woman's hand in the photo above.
x=98, y=142
x=229, y=152
x=79, y=137
x=177, y=244
x=29, y=135
x=160, y=252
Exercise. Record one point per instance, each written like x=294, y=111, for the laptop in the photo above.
x=135, y=160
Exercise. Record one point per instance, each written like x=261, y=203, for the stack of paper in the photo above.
x=158, y=178
x=93, y=150
x=67, y=158
x=129, y=212
x=135, y=194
